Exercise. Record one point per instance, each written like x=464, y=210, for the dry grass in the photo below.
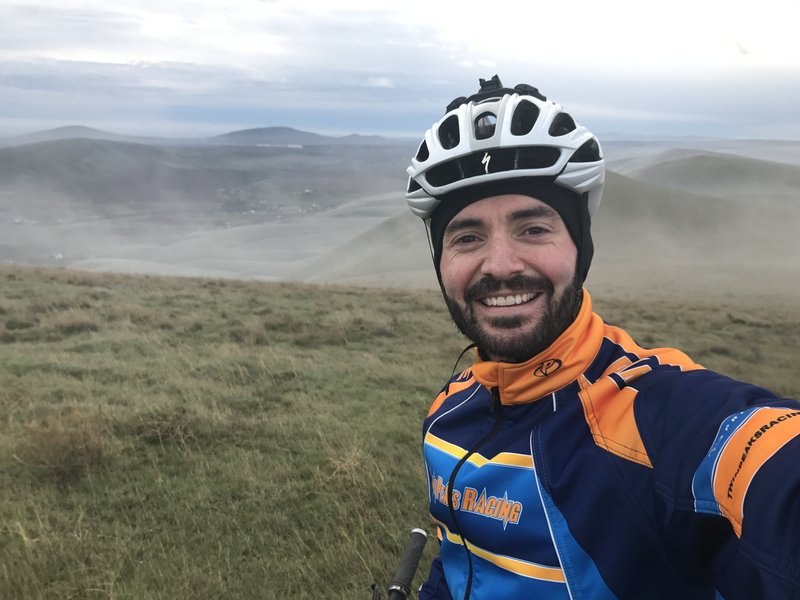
x=64, y=447
x=218, y=437
x=175, y=438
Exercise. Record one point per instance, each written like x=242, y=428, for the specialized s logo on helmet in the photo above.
x=485, y=162
x=548, y=367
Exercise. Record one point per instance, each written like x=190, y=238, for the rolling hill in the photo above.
x=644, y=235
x=83, y=178
x=715, y=174
x=336, y=213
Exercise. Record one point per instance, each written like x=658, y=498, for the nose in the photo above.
x=501, y=259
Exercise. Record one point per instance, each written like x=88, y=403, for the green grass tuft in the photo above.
x=62, y=447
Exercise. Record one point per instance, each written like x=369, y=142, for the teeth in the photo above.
x=508, y=300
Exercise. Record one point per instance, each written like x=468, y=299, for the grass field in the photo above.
x=182, y=438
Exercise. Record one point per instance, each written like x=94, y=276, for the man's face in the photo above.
x=508, y=270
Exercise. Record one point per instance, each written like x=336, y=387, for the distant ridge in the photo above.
x=260, y=136
x=287, y=136
x=73, y=132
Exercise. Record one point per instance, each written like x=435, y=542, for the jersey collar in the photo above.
x=557, y=366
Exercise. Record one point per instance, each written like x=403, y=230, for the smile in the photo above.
x=511, y=300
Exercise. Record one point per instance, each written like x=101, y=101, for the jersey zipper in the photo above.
x=498, y=421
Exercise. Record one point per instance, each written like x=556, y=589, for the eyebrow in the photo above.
x=537, y=211
x=457, y=224
x=525, y=213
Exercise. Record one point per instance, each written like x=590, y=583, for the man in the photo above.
x=568, y=462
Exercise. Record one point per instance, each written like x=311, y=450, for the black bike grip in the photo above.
x=400, y=585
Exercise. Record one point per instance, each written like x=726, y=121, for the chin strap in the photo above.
x=455, y=366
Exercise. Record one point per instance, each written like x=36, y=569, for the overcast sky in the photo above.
x=728, y=68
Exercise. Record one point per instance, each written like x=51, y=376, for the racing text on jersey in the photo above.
x=469, y=500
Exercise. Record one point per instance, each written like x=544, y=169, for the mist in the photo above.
x=706, y=217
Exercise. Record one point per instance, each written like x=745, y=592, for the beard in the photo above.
x=516, y=345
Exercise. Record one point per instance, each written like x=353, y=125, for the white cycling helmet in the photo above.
x=501, y=134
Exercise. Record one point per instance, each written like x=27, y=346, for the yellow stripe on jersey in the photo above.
x=509, y=459
x=514, y=565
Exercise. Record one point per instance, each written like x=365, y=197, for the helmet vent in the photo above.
x=537, y=157
x=423, y=154
x=449, y=136
x=485, y=125
x=502, y=159
x=562, y=125
x=589, y=152
x=524, y=118
x=413, y=186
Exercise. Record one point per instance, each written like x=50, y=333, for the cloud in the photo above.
x=379, y=82
x=39, y=30
x=390, y=67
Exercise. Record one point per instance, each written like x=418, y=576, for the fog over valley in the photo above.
x=281, y=204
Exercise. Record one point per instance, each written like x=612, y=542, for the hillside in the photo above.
x=620, y=151
x=81, y=178
x=643, y=234
x=206, y=439
x=187, y=438
x=715, y=174
x=337, y=214
x=639, y=219
x=394, y=253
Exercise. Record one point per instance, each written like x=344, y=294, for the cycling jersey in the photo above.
x=600, y=469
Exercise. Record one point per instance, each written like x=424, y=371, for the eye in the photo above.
x=535, y=230
x=464, y=240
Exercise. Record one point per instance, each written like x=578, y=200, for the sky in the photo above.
x=204, y=67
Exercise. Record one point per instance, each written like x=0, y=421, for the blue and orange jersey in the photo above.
x=601, y=469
